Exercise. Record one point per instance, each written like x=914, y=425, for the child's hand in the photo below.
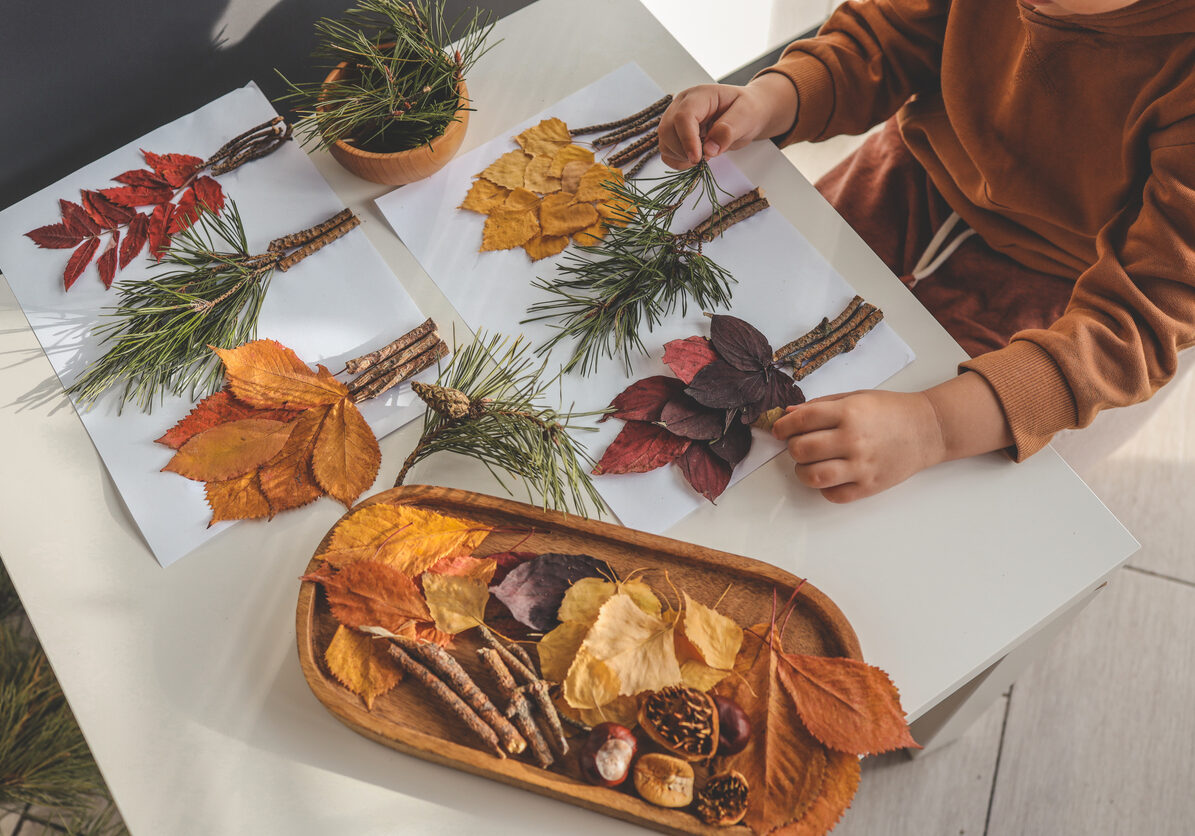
x=708, y=119
x=857, y=444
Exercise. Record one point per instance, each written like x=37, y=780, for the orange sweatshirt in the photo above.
x=1068, y=143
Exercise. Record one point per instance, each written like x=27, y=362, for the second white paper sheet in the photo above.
x=784, y=288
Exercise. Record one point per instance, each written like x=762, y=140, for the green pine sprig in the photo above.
x=488, y=404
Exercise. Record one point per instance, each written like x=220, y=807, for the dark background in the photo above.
x=81, y=78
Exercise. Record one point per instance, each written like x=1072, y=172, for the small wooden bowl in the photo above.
x=401, y=167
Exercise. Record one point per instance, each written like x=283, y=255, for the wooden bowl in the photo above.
x=401, y=167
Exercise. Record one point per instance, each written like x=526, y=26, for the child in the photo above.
x=1063, y=133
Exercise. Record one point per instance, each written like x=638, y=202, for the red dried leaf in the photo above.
x=159, y=223
x=107, y=260
x=734, y=445
x=208, y=193
x=138, y=195
x=104, y=212
x=640, y=447
x=77, y=219
x=79, y=260
x=55, y=237
x=848, y=705
x=134, y=239
x=218, y=408
x=740, y=343
x=644, y=399
x=689, y=356
x=706, y=473
x=186, y=211
x=175, y=169
x=722, y=386
x=142, y=177
x=685, y=417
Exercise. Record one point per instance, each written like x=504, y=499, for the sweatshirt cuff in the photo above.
x=815, y=95
x=1036, y=398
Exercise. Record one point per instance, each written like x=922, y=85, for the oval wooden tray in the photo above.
x=406, y=720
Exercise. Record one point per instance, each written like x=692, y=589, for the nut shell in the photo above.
x=723, y=799
x=664, y=780
x=681, y=720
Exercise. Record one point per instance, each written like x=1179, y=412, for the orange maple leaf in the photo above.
x=229, y=450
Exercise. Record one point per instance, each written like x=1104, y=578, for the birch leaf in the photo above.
x=408, y=538
x=636, y=646
x=361, y=664
x=457, y=603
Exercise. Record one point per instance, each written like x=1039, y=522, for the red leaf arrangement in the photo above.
x=701, y=419
x=112, y=213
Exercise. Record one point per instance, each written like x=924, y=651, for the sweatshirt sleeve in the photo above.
x=866, y=61
x=1130, y=314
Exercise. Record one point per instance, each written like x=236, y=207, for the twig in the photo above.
x=540, y=690
x=406, y=355
x=318, y=244
x=818, y=332
x=305, y=236
x=642, y=162
x=518, y=709
x=253, y=144
x=525, y=672
x=633, y=129
x=834, y=331
x=360, y=364
x=633, y=150
x=841, y=346
x=651, y=110
x=412, y=367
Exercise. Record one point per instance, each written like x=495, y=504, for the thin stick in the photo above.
x=524, y=657
x=634, y=150
x=318, y=244
x=633, y=129
x=658, y=106
x=539, y=689
x=229, y=148
x=833, y=334
x=304, y=236
x=404, y=356
x=819, y=332
x=642, y=162
x=842, y=346
x=734, y=205
x=409, y=369
x=447, y=696
x=726, y=221
x=518, y=709
x=359, y=364
x=524, y=672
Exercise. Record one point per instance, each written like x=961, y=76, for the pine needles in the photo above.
x=640, y=274
x=488, y=405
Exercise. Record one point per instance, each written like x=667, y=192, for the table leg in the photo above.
x=946, y=722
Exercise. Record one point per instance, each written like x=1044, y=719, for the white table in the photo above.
x=185, y=680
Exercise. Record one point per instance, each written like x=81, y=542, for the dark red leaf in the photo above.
x=532, y=591
x=734, y=444
x=77, y=219
x=779, y=391
x=138, y=195
x=722, y=386
x=55, y=237
x=706, y=473
x=104, y=212
x=142, y=177
x=175, y=169
x=643, y=399
x=685, y=417
x=640, y=447
x=208, y=193
x=185, y=213
x=739, y=343
x=159, y=223
x=134, y=239
x=107, y=260
x=79, y=260
x=218, y=408
x=507, y=561
x=687, y=357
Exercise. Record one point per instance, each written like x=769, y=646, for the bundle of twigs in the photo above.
x=380, y=370
x=643, y=124
x=829, y=338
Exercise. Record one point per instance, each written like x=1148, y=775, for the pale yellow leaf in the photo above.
x=621, y=710
x=637, y=647
x=700, y=675
x=558, y=648
x=584, y=598
x=457, y=603
x=716, y=637
x=507, y=170
x=590, y=682
x=570, y=155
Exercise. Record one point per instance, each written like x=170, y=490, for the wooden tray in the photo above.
x=406, y=720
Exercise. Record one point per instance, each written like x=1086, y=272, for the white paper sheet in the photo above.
x=337, y=304
x=784, y=288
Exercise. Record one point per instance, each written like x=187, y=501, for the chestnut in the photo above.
x=734, y=727
x=607, y=754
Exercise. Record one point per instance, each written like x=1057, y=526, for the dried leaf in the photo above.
x=706, y=473
x=507, y=171
x=685, y=417
x=740, y=343
x=536, y=176
x=689, y=356
x=175, y=169
x=722, y=386
x=267, y=374
x=372, y=594
x=143, y=177
x=457, y=603
x=641, y=447
x=584, y=599
x=55, y=237
x=590, y=235
x=700, y=675
x=838, y=789
x=644, y=399
x=287, y=479
x=559, y=647
x=571, y=174
x=575, y=155
x=159, y=225
x=545, y=138
x=545, y=246
x=848, y=705
x=346, y=457
x=533, y=591
x=465, y=566
x=134, y=239
x=104, y=212
x=217, y=408
x=508, y=228
x=138, y=195
x=734, y=445
x=106, y=263
x=229, y=450
x=522, y=199
x=411, y=539
x=716, y=637
x=185, y=213
x=484, y=197
x=558, y=215
x=78, y=262
x=590, y=683
x=636, y=646
x=614, y=211
x=780, y=391
x=621, y=710
x=506, y=563
x=237, y=499
x=766, y=420
x=593, y=188
x=361, y=663
x=209, y=194
x=76, y=218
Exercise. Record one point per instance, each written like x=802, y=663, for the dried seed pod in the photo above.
x=682, y=720
x=723, y=799
x=664, y=780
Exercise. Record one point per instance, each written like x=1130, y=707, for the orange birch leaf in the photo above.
x=361, y=664
x=590, y=235
x=545, y=246
x=346, y=455
x=508, y=228
x=411, y=539
x=484, y=197
x=592, y=186
x=507, y=170
x=848, y=705
x=267, y=374
x=536, y=178
x=571, y=174
x=465, y=566
x=218, y=408
x=237, y=499
x=575, y=155
x=371, y=594
x=547, y=137
x=286, y=479
x=229, y=450
x=558, y=215
x=521, y=199
x=838, y=790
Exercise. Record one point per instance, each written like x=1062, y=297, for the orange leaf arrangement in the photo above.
x=280, y=435
x=403, y=583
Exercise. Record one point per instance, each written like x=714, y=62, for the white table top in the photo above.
x=186, y=682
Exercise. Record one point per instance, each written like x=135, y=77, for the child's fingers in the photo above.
x=814, y=415
x=736, y=127
x=849, y=492
x=680, y=142
x=827, y=474
x=816, y=446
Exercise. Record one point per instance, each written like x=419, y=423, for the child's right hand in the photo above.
x=706, y=120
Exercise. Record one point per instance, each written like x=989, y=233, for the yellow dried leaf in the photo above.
x=361, y=664
x=411, y=539
x=484, y=197
x=716, y=637
x=559, y=215
x=521, y=198
x=570, y=175
x=545, y=138
x=241, y=498
x=457, y=603
x=590, y=235
x=558, y=648
x=543, y=246
x=621, y=710
x=590, y=682
x=584, y=599
x=507, y=170
x=615, y=211
x=700, y=675
x=637, y=647
x=592, y=187
x=767, y=419
x=508, y=228
x=570, y=154
x=536, y=177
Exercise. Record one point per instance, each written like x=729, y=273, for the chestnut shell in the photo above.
x=661, y=711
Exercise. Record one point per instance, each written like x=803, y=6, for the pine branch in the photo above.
x=488, y=405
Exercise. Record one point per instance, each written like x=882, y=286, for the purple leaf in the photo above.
x=685, y=417
x=533, y=590
x=739, y=343
x=733, y=447
x=722, y=386
x=706, y=473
